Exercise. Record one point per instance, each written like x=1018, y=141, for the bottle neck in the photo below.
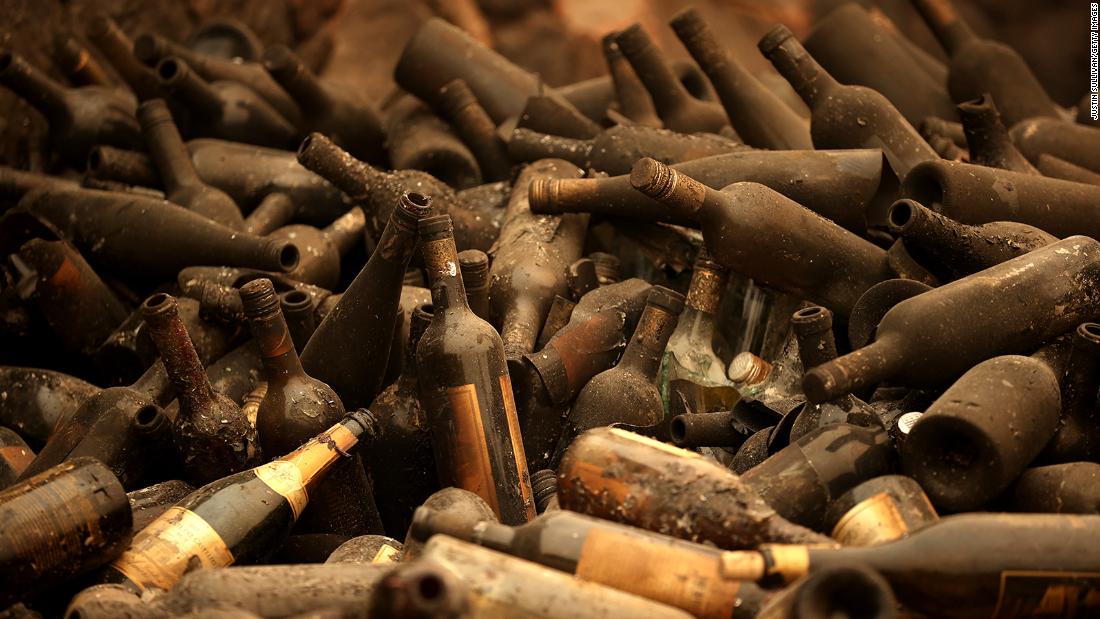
x=275, y=211
x=167, y=149
x=986, y=135
x=499, y=537
x=441, y=264
x=528, y=145
x=319, y=453
x=190, y=88
x=43, y=93
x=355, y=178
x=276, y=346
x=347, y=230
x=302, y=85
x=925, y=230
x=657, y=76
x=181, y=362
x=808, y=78
x=646, y=348
x=944, y=20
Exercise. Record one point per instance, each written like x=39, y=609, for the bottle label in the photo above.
x=176, y=542
x=687, y=579
x=871, y=521
x=517, y=447
x=285, y=478
x=386, y=554
x=471, y=467
x=1048, y=594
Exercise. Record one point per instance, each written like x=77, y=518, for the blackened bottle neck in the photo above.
x=496, y=536
x=944, y=20
x=276, y=346
x=302, y=85
x=182, y=364
x=346, y=231
x=398, y=240
x=705, y=292
x=167, y=148
x=646, y=348
x=441, y=264
x=808, y=78
x=31, y=84
x=155, y=384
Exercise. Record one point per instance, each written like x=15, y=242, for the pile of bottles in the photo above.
x=657, y=344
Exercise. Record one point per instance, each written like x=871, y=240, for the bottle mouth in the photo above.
x=666, y=299
x=812, y=319
x=259, y=298
x=633, y=40
x=542, y=196
x=286, y=255
x=688, y=24
x=653, y=178
x=773, y=39
x=170, y=70
x=295, y=301
x=149, y=418
x=1089, y=331
x=901, y=214
x=158, y=304
x=418, y=204
x=456, y=95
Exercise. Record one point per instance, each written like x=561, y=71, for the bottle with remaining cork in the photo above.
x=466, y=391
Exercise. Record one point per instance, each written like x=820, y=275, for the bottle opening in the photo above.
x=419, y=199
x=288, y=257
x=1090, y=331
x=147, y=416
x=169, y=69
x=901, y=213
x=774, y=38
x=296, y=299
x=95, y=159
x=677, y=429
x=157, y=302
x=306, y=143
x=430, y=587
x=809, y=312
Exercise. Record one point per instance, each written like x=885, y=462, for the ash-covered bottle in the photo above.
x=466, y=391
x=296, y=407
x=987, y=138
x=879, y=510
x=241, y=518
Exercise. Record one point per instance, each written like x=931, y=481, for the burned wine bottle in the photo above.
x=212, y=435
x=349, y=348
x=951, y=250
x=465, y=389
x=834, y=591
x=118, y=49
x=348, y=120
x=181, y=183
x=79, y=118
x=678, y=109
x=1069, y=488
x=618, y=475
x=66, y=521
x=520, y=289
x=761, y=119
x=40, y=401
x=845, y=116
x=224, y=109
x=1044, y=567
x=628, y=393
x=241, y=518
x=474, y=265
x=879, y=510
x=457, y=103
x=747, y=214
x=987, y=138
x=1078, y=433
x=934, y=337
x=1071, y=142
x=630, y=94
x=112, y=228
x=979, y=66
x=322, y=249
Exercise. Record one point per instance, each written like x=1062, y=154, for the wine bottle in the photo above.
x=1054, y=167
x=678, y=109
x=950, y=249
x=147, y=504
x=630, y=94
x=760, y=117
x=1077, y=436
x=846, y=186
x=118, y=49
x=223, y=109
x=520, y=289
x=879, y=510
x=627, y=393
x=929, y=339
x=692, y=377
x=361, y=325
x=1069, y=488
x=613, y=555
x=616, y=149
x=1072, y=142
x=834, y=591
x=457, y=103
x=843, y=266
x=337, y=112
x=987, y=138
x=1044, y=569
x=462, y=506
x=79, y=118
x=980, y=66
x=466, y=391
x=150, y=49
x=182, y=184
x=474, y=265
x=322, y=249
x=40, y=401
x=301, y=319
x=844, y=116
x=402, y=464
x=237, y=519
x=417, y=139
x=14, y=184
x=211, y=434
x=296, y=407
x=618, y=475
x=66, y=521
x=112, y=228
x=377, y=192
x=971, y=194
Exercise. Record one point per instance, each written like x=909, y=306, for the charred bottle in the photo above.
x=934, y=337
x=474, y=265
x=1071, y=142
x=457, y=103
x=321, y=249
x=297, y=406
x=1069, y=488
x=628, y=393
x=182, y=184
x=118, y=49
x=1047, y=570
x=950, y=249
x=349, y=347
x=212, y=435
x=520, y=289
x=747, y=214
x=630, y=94
x=613, y=555
x=466, y=391
x=879, y=510
x=618, y=475
x=224, y=109
x=845, y=116
x=40, y=401
x=987, y=138
x=349, y=121
x=834, y=591
x=62, y=523
x=79, y=118
x=760, y=117
x=1078, y=435
x=112, y=228
x=979, y=66
x=236, y=519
